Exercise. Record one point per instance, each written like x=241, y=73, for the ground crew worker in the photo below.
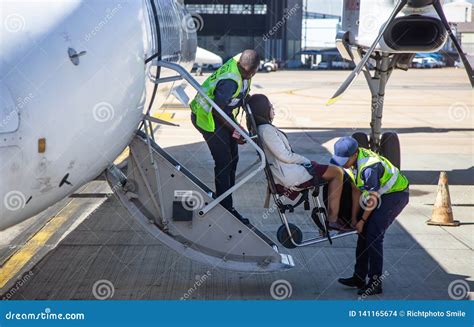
x=227, y=87
x=382, y=192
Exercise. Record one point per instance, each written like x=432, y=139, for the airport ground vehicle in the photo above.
x=268, y=66
x=427, y=62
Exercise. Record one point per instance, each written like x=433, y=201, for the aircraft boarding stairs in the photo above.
x=181, y=211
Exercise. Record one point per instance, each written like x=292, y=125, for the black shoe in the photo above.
x=374, y=286
x=353, y=281
x=244, y=221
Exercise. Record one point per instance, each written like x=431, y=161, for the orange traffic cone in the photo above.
x=442, y=211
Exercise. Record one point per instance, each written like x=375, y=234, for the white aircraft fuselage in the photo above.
x=73, y=91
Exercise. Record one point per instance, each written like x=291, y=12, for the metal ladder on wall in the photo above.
x=178, y=209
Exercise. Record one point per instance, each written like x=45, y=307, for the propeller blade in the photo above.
x=352, y=77
x=439, y=9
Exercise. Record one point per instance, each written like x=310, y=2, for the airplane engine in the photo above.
x=417, y=28
x=414, y=33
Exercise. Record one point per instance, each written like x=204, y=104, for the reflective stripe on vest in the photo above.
x=391, y=180
x=203, y=109
x=212, y=85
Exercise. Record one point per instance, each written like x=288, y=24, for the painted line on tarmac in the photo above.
x=18, y=260
x=49, y=236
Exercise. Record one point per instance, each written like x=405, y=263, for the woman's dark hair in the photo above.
x=261, y=108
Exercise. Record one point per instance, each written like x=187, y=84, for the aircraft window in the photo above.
x=241, y=9
x=236, y=9
x=206, y=9
x=260, y=9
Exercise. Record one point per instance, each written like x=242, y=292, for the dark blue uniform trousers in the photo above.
x=225, y=152
x=369, y=251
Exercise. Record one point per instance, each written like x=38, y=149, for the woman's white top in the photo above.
x=285, y=165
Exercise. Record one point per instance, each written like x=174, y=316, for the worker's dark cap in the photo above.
x=344, y=148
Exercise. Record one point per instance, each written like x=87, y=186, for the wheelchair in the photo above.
x=289, y=234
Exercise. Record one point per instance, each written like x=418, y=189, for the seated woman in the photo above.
x=291, y=169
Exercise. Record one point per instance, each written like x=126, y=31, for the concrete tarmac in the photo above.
x=432, y=110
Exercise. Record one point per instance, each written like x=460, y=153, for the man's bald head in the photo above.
x=249, y=61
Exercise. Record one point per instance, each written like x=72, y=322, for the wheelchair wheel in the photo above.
x=284, y=238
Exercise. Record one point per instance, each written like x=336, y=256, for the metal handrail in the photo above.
x=187, y=76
